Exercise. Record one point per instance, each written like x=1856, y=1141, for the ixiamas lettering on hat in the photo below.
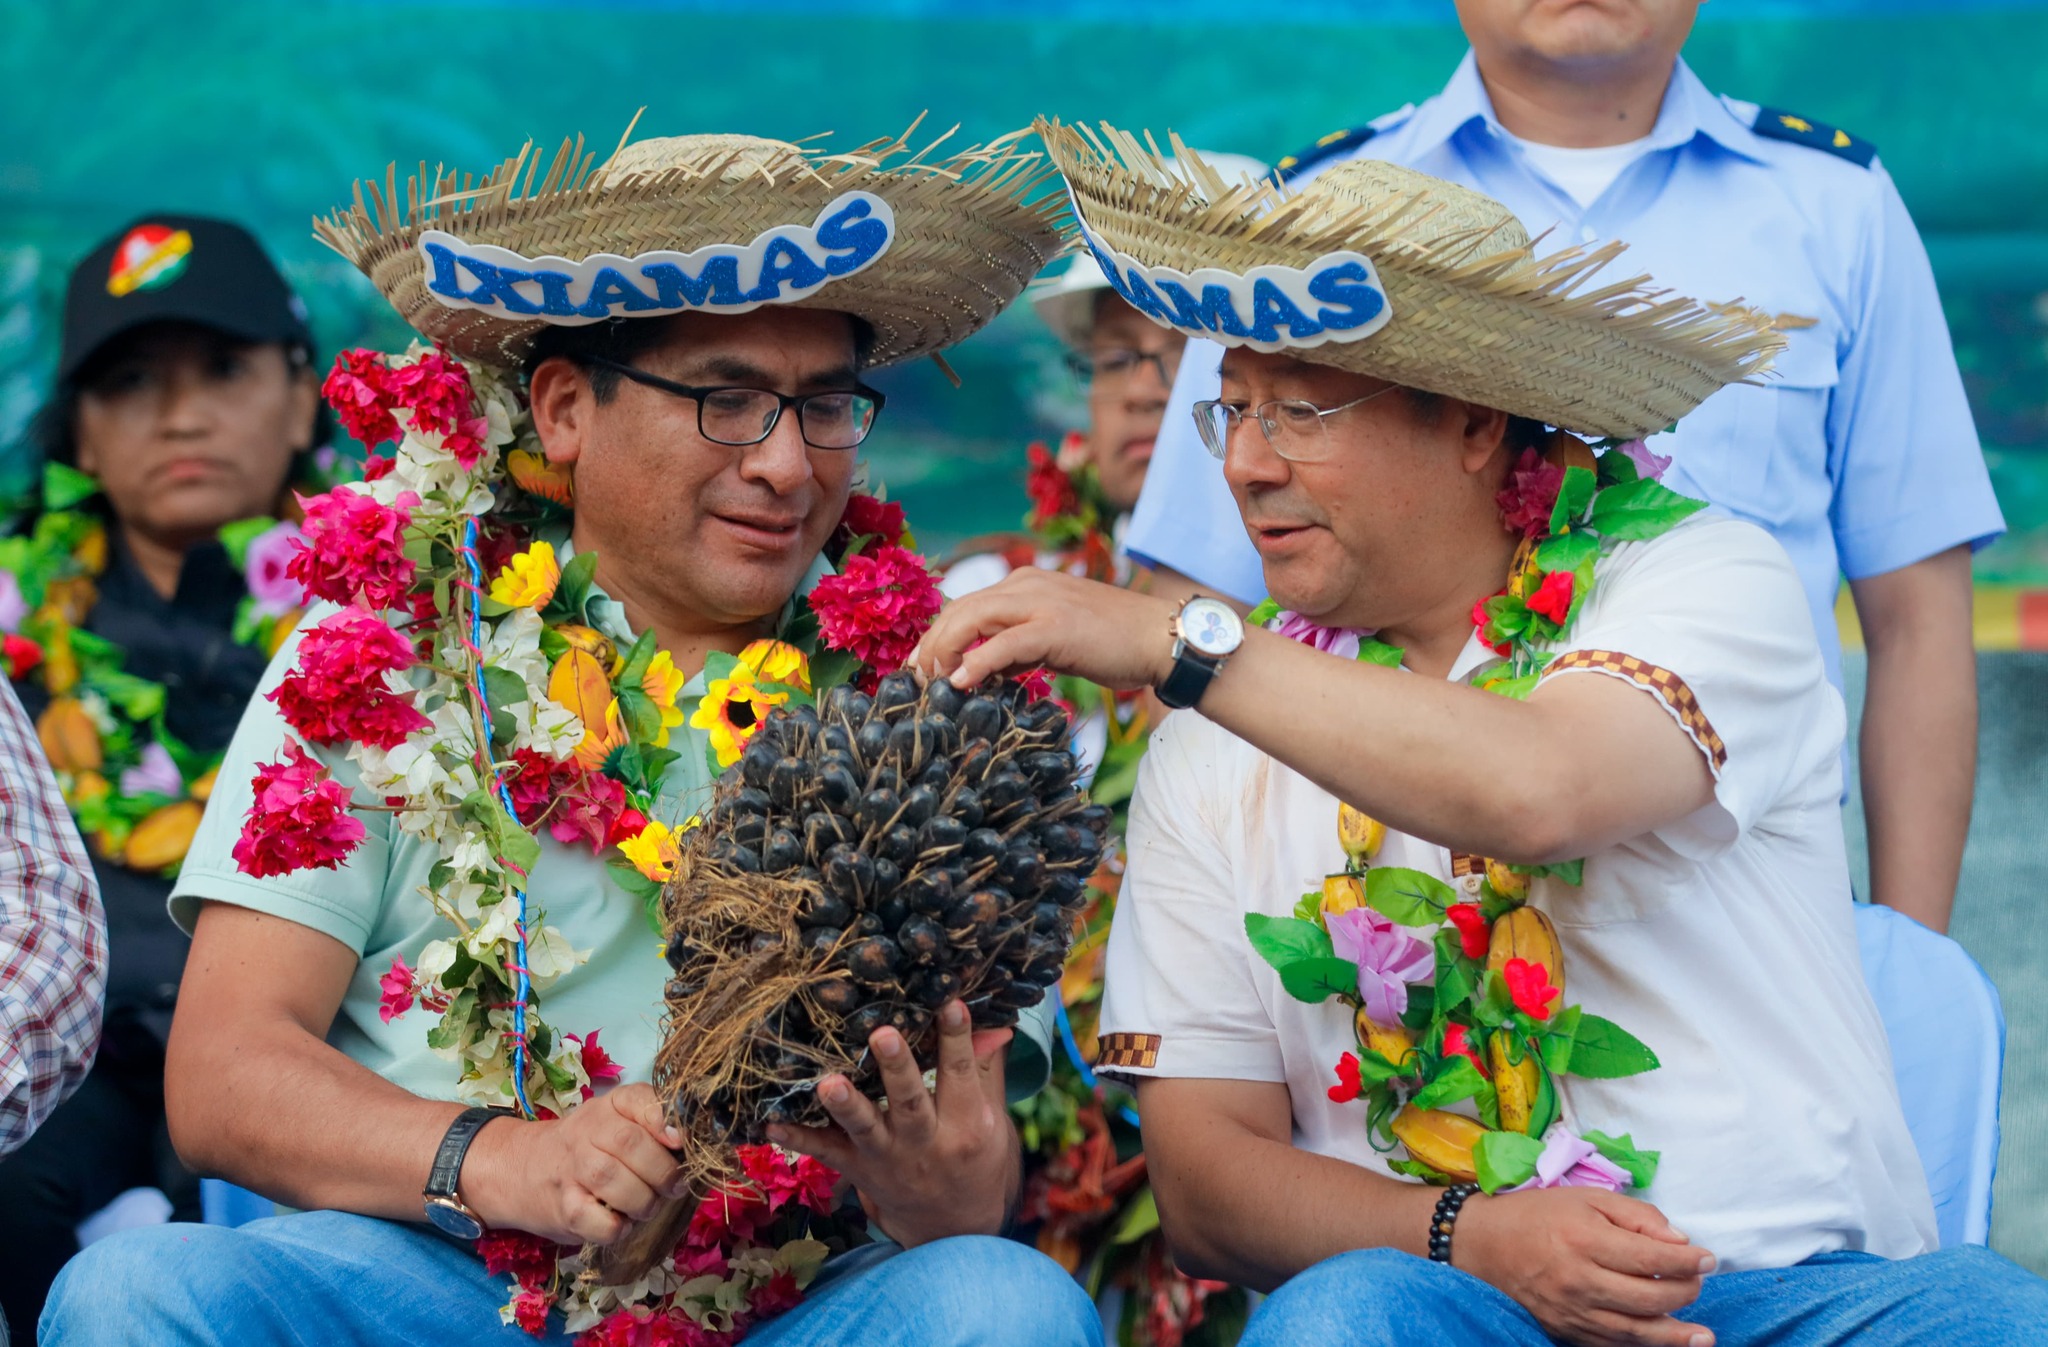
x=1337, y=297
x=780, y=266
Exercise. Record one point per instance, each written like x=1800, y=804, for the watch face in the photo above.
x=450, y=1219
x=1211, y=627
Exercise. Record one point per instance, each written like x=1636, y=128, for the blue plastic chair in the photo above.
x=1947, y=1033
x=222, y=1203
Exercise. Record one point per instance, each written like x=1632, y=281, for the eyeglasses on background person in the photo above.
x=838, y=418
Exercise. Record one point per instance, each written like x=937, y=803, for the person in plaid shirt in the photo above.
x=53, y=938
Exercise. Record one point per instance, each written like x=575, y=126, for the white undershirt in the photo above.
x=1583, y=173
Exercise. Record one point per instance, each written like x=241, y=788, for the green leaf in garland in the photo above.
x=638, y=712
x=1567, y=551
x=1317, y=980
x=1641, y=1165
x=1267, y=610
x=1641, y=509
x=1308, y=907
x=1544, y=1108
x=832, y=668
x=1455, y=1080
x=1140, y=1219
x=1573, y=496
x=572, y=592
x=1556, y=1042
x=1407, y=897
x=639, y=657
x=237, y=536
x=137, y=698
x=1491, y=1004
x=1517, y=688
x=503, y=689
x=1283, y=940
x=1415, y=1169
x=1380, y=653
x=1616, y=468
x=64, y=487
x=1504, y=1159
x=1454, y=972
x=1603, y=1050
x=514, y=845
x=454, y=1023
x=1421, y=1007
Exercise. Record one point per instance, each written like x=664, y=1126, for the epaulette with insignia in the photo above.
x=1294, y=165
x=1778, y=124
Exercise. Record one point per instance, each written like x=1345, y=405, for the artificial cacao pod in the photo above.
x=1441, y=1140
x=1395, y=1044
x=164, y=836
x=1525, y=933
x=1515, y=1084
x=1361, y=835
x=69, y=736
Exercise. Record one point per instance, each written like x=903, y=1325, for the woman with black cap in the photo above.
x=185, y=406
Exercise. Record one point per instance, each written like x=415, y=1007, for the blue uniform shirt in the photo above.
x=1858, y=453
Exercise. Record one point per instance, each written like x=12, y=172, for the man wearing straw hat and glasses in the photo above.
x=1411, y=896
x=691, y=320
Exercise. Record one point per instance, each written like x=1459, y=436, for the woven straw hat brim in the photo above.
x=967, y=238
x=1471, y=318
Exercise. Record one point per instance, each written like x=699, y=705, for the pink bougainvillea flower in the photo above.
x=780, y=1177
x=1339, y=641
x=396, y=991
x=436, y=389
x=780, y=1292
x=529, y=1258
x=300, y=819
x=1348, y=1086
x=340, y=689
x=878, y=606
x=1652, y=466
x=1529, y=988
x=1473, y=932
x=1037, y=685
x=1569, y=1161
x=867, y=517
x=358, y=389
x=579, y=805
x=1553, y=598
x=1530, y=495
x=1388, y=959
x=597, y=1063
x=352, y=547
x=1458, y=1043
x=268, y=564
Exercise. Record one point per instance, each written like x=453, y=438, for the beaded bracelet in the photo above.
x=1445, y=1218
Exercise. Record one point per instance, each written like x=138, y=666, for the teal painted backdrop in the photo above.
x=267, y=112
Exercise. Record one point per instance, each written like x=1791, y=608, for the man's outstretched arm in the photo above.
x=254, y=1093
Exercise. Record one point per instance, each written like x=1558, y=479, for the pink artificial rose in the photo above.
x=1388, y=959
x=268, y=563
x=1569, y=1161
x=13, y=607
x=1648, y=465
x=156, y=774
x=1339, y=641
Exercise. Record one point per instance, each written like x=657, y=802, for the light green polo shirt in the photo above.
x=373, y=905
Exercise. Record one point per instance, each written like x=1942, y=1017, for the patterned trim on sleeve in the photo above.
x=1665, y=685
x=1139, y=1051
x=53, y=940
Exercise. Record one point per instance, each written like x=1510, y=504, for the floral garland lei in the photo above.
x=478, y=703
x=1457, y=998
x=132, y=786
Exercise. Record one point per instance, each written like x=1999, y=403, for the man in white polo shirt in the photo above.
x=1634, y=1047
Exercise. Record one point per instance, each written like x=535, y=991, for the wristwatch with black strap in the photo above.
x=1205, y=633
x=445, y=1208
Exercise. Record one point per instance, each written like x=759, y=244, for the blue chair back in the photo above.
x=1947, y=1034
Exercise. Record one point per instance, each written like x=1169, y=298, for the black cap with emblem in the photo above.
x=178, y=268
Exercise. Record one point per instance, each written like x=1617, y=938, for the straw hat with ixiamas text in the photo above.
x=1384, y=271
x=926, y=248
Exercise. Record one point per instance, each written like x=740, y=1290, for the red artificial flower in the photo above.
x=867, y=517
x=1530, y=495
x=1348, y=1086
x=1553, y=598
x=340, y=689
x=1052, y=491
x=299, y=820
x=1458, y=1043
x=1529, y=988
x=878, y=606
x=396, y=991
x=353, y=548
x=631, y=823
x=1480, y=620
x=21, y=654
x=1473, y=932
x=358, y=388
x=597, y=1063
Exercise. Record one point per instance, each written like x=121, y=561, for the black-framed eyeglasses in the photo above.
x=1296, y=429
x=1118, y=365
x=839, y=418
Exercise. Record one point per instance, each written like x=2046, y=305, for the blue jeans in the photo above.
x=1379, y=1298
x=325, y=1278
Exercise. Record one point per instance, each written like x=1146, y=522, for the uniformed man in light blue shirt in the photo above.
x=1859, y=453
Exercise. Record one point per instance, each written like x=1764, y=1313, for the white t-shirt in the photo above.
x=1583, y=173
x=1724, y=940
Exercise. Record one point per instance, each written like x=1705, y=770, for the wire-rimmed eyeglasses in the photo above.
x=1120, y=364
x=838, y=418
x=1297, y=429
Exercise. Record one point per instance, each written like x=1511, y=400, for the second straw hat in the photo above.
x=1385, y=271
x=925, y=248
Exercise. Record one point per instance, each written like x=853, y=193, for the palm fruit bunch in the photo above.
x=1459, y=1064
x=864, y=862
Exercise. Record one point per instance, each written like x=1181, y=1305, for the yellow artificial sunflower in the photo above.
x=654, y=851
x=529, y=578
x=732, y=709
x=662, y=683
x=778, y=662
x=598, y=745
